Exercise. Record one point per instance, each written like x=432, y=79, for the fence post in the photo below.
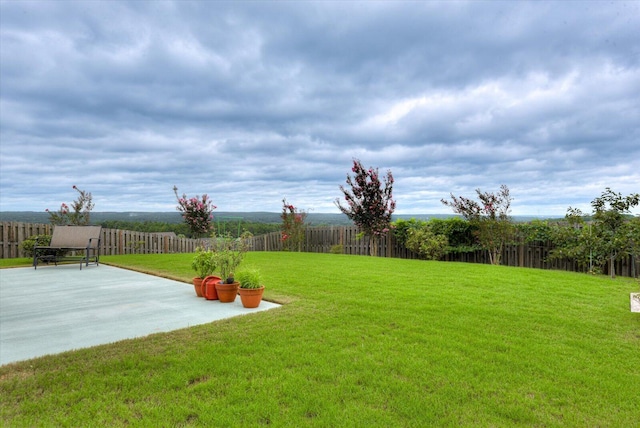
x=4, y=235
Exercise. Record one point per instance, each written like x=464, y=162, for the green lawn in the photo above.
x=363, y=342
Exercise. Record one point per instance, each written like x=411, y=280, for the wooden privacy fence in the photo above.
x=343, y=239
x=532, y=255
x=324, y=239
x=114, y=241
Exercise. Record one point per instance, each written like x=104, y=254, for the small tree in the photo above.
x=369, y=203
x=292, y=227
x=79, y=214
x=197, y=213
x=611, y=233
x=610, y=210
x=491, y=217
x=574, y=239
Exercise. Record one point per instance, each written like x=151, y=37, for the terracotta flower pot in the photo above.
x=227, y=292
x=209, y=287
x=251, y=297
x=197, y=284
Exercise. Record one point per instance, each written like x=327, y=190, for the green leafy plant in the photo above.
x=610, y=233
x=458, y=232
x=401, y=228
x=31, y=242
x=228, y=254
x=337, y=249
x=427, y=244
x=609, y=212
x=27, y=245
x=204, y=262
x=249, y=278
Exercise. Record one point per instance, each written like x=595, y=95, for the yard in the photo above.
x=359, y=341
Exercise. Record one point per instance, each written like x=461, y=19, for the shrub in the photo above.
x=459, y=233
x=203, y=263
x=401, y=228
x=28, y=244
x=426, y=243
x=337, y=249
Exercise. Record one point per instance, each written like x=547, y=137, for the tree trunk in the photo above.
x=612, y=266
x=373, y=245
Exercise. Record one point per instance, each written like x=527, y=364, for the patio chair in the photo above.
x=82, y=241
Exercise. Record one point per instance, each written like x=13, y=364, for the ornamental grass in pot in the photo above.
x=251, y=288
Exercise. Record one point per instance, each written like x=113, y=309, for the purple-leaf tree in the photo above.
x=491, y=217
x=369, y=203
x=196, y=212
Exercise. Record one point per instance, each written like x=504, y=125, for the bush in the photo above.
x=337, y=249
x=28, y=244
x=458, y=232
x=426, y=243
x=401, y=228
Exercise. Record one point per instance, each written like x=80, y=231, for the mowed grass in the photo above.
x=360, y=342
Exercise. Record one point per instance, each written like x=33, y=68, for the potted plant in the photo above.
x=228, y=255
x=204, y=265
x=251, y=288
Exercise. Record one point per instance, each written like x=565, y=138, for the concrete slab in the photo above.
x=59, y=308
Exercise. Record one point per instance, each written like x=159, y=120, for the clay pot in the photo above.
x=251, y=297
x=209, y=287
x=197, y=284
x=227, y=292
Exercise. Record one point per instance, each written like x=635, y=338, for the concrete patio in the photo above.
x=60, y=308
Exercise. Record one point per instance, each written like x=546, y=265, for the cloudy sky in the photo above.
x=251, y=102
